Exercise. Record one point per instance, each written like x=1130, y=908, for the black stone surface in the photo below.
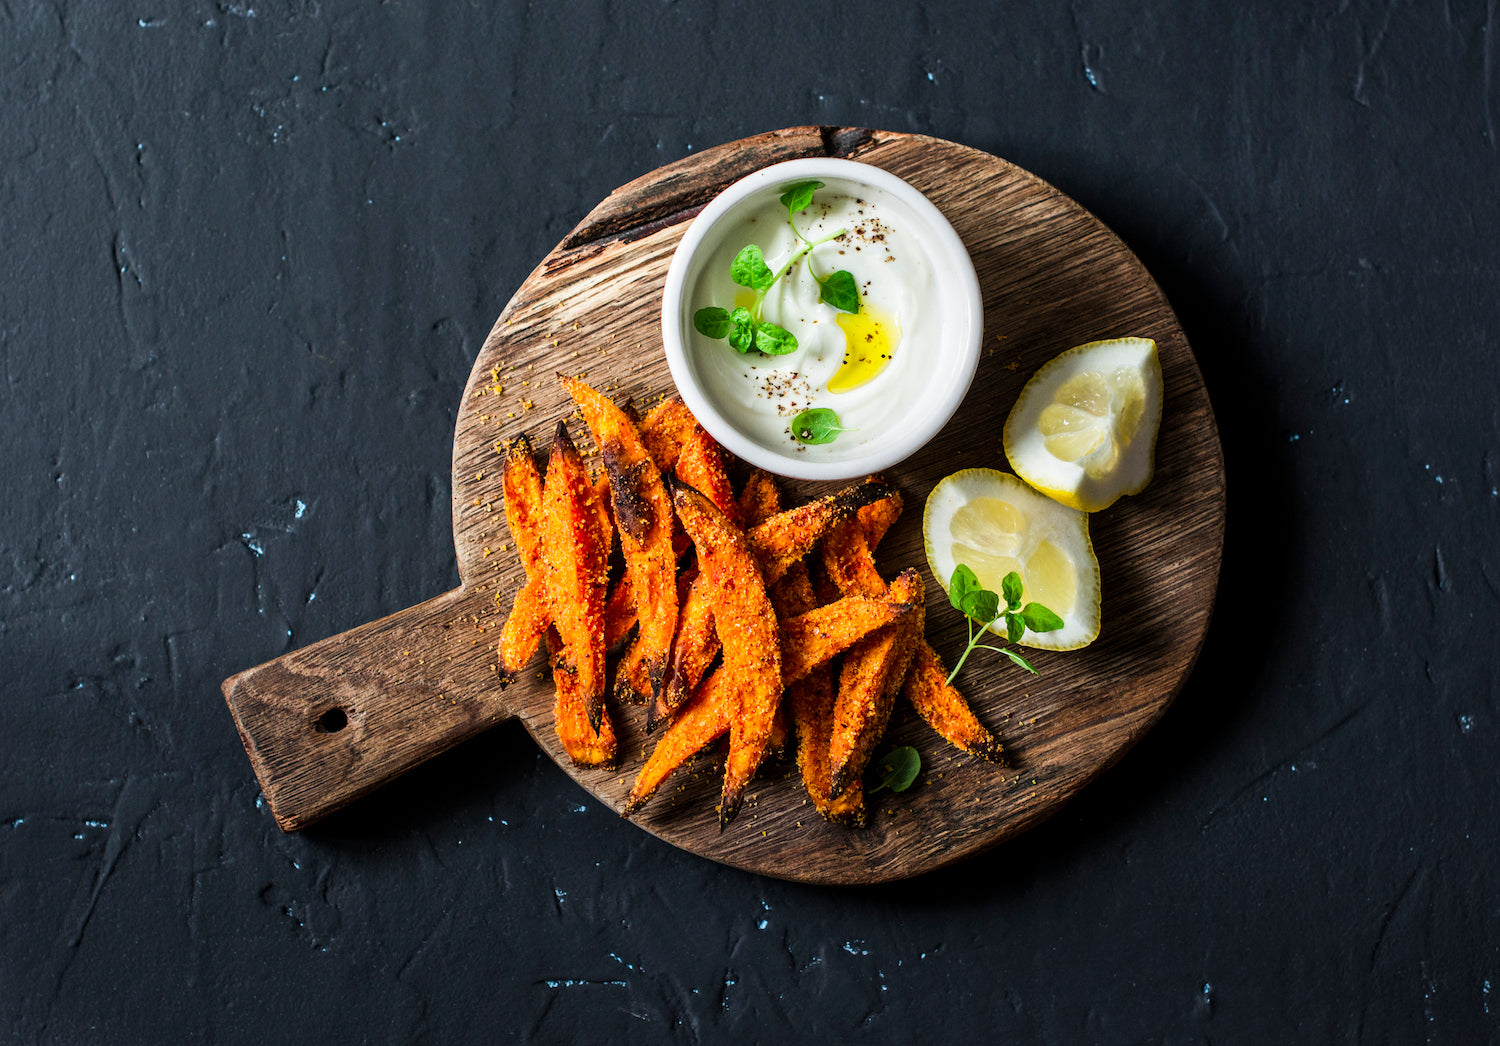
x=250, y=250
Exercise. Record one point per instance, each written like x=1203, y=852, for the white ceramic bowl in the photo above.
x=937, y=354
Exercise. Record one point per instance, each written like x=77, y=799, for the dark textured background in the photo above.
x=248, y=252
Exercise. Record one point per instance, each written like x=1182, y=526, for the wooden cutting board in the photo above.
x=330, y=722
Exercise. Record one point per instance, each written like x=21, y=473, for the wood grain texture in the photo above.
x=1053, y=276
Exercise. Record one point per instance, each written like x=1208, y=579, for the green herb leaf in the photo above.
x=816, y=426
x=749, y=269
x=798, y=196
x=960, y=585
x=898, y=768
x=1040, y=619
x=1018, y=659
x=712, y=322
x=840, y=291
x=1010, y=587
x=982, y=605
x=742, y=329
x=774, y=340
x=1015, y=627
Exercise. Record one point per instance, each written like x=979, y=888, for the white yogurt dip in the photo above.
x=870, y=368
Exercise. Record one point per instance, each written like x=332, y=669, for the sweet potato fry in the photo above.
x=683, y=739
x=619, y=614
x=572, y=551
x=846, y=555
x=702, y=721
x=810, y=701
x=693, y=650
x=707, y=714
x=788, y=536
x=760, y=500
x=872, y=673
x=818, y=636
x=523, y=628
x=747, y=632
x=700, y=465
x=522, y=489
x=665, y=429
x=585, y=745
x=878, y=517
x=945, y=709
x=847, y=558
x=696, y=643
x=643, y=517
x=812, y=711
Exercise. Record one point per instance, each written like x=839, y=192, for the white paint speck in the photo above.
x=1465, y=723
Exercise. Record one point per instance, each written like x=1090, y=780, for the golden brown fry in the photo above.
x=818, y=636
x=572, y=551
x=523, y=628
x=682, y=739
x=700, y=465
x=812, y=710
x=873, y=671
x=693, y=650
x=760, y=500
x=619, y=614
x=522, y=488
x=585, y=745
x=606, y=514
x=810, y=700
x=788, y=536
x=697, y=643
x=846, y=557
x=781, y=729
x=879, y=516
x=945, y=709
x=846, y=553
x=747, y=632
x=702, y=721
x=643, y=517
x=665, y=429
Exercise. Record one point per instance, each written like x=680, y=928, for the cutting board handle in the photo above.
x=327, y=723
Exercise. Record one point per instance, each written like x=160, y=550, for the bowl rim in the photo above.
x=961, y=296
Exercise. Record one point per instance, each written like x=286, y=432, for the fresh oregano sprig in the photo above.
x=743, y=327
x=981, y=607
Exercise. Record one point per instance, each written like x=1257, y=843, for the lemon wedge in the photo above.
x=1084, y=428
x=994, y=523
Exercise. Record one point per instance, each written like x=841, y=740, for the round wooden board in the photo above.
x=1053, y=276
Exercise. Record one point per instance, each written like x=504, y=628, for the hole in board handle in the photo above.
x=331, y=721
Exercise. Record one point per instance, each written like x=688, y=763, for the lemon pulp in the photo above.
x=993, y=523
x=991, y=537
x=1083, y=431
x=1092, y=417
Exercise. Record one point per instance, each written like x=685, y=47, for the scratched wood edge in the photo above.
x=692, y=182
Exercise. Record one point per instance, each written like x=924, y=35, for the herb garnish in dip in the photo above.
x=825, y=296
